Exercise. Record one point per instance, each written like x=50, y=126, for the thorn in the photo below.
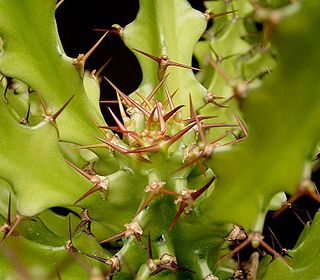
x=194, y=115
x=99, y=182
x=149, y=247
x=152, y=148
x=253, y=238
x=98, y=73
x=59, y=4
x=91, y=146
x=217, y=125
x=56, y=115
x=81, y=59
x=96, y=124
x=178, y=135
x=169, y=262
x=128, y=100
x=114, y=30
x=79, y=170
x=150, y=119
x=9, y=210
x=171, y=97
x=304, y=189
x=113, y=146
x=242, y=125
x=100, y=259
x=155, y=188
x=172, y=112
x=123, y=129
x=85, y=221
x=108, y=101
x=94, y=189
x=167, y=144
x=219, y=69
x=200, y=118
x=186, y=199
x=46, y=110
x=145, y=100
x=210, y=98
x=12, y=228
x=162, y=123
x=154, y=91
x=4, y=94
x=69, y=245
x=211, y=15
x=163, y=63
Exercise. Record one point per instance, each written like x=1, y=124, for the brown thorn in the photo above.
x=219, y=138
x=182, y=206
x=149, y=247
x=69, y=228
x=154, y=91
x=155, y=58
x=96, y=124
x=242, y=125
x=79, y=170
x=25, y=121
x=98, y=73
x=145, y=100
x=200, y=191
x=9, y=210
x=108, y=102
x=87, y=55
x=113, y=146
x=16, y=222
x=215, y=15
x=114, y=237
x=194, y=196
x=94, y=189
x=150, y=119
x=146, y=202
x=222, y=73
x=178, y=135
x=275, y=238
x=152, y=148
x=216, y=125
x=163, y=126
x=91, y=146
x=121, y=108
x=56, y=114
x=171, y=96
x=120, y=125
x=298, y=217
x=100, y=259
x=128, y=100
x=271, y=251
x=194, y=115
x=4, y=94
x=44, y=106
x=287, y=204
x=189, y=163
x=201, y=118
x=172, y=112
x=111, y=31
x=59, y=4
x=169, y=99
x=237, y=249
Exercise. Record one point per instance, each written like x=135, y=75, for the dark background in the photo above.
x=76, y=21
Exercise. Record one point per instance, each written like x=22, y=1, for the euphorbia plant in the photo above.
x=194, y=161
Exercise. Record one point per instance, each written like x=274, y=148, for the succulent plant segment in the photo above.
x=178, y=183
